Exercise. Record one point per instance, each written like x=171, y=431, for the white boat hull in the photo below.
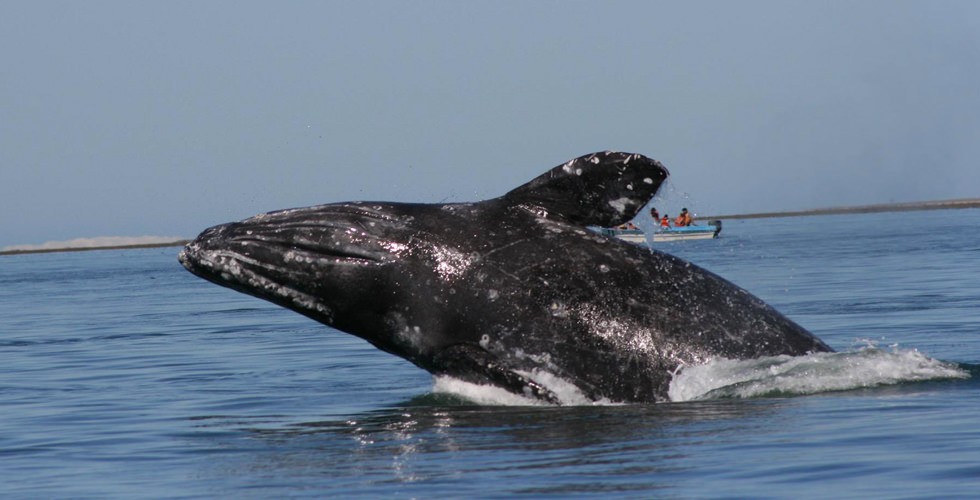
x=670, y=234
x=666, y=236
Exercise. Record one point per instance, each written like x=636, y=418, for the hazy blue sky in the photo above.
x=135, y=118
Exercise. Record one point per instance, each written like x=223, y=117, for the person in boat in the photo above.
x=684, y=219
x=654, y=213
x=665, y=221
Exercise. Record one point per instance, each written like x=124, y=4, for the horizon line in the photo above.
x=953, y=204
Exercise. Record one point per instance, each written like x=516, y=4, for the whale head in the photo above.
x=336, y=264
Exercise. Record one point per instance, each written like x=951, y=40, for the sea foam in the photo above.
x=802, y=375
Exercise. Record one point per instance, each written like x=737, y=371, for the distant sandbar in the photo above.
x=860, y=209
x=101, y=243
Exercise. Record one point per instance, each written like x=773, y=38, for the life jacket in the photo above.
x=665, y=222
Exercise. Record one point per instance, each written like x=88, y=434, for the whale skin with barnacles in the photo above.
x=511, y=291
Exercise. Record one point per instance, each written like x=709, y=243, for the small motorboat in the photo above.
x=667, y=233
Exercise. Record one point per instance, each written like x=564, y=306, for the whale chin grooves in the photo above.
x=473, y=364
x=600, y=189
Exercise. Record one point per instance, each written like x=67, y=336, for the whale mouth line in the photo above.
x=234, y=270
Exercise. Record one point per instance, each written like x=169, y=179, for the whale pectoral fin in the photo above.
x=473, y=364
x=601, y=189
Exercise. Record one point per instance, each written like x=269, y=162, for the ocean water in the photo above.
x=124, y=376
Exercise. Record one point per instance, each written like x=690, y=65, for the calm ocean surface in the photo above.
x=124, y=376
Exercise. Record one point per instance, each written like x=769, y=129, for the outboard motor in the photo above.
x=717, y=224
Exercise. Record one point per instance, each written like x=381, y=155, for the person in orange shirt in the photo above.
x=665, y=222
x=684, y=219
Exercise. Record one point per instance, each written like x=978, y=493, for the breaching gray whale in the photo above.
x=506, y=290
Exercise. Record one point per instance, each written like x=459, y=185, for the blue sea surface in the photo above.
x=124, y=376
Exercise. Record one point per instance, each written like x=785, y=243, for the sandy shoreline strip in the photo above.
x=176, y=243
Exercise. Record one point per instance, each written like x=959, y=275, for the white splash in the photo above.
x=823, y=372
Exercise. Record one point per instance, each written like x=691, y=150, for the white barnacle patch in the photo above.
x=553, y=228
x=603, y=268
x=595, y=159
x=558, y=310
x=621, y=205
x=492, y=294
x=539, y=212
x=394, y=247
x=485, y=341
x=647, y=180
x=451, y=263
x=629, y=186
x=405, y=333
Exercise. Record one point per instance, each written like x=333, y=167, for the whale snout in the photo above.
x=314, y=261
x=282, y=246
x=196, y=254
x=243, y=257
x=217, y=256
